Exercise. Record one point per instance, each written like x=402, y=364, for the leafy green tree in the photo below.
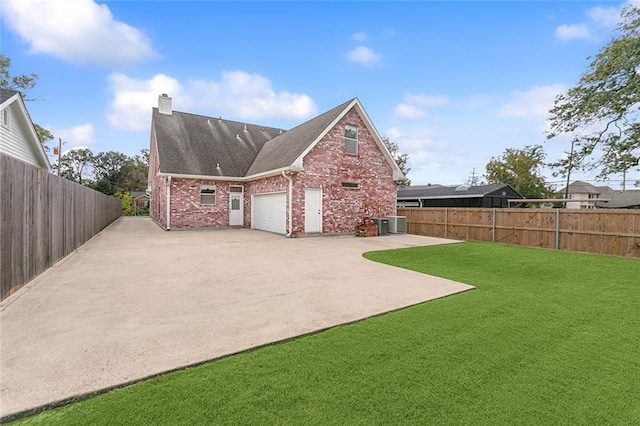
x=601, y=112
x=22, y=83
x=76, y=165
x=401, y=159
x=520, y=168
x=128, y=204
x=109, y=169
x=135, y=172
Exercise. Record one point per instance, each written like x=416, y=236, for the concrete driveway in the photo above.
x=136, y=301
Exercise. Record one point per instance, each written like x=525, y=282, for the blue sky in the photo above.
x=453, y=83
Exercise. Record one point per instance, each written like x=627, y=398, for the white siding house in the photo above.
x=18, y=137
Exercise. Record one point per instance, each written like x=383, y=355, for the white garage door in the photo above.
x=269, y=212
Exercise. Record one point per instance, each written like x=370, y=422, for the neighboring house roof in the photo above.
x=604, y=190
x=580, y=187
x=621, y=200
x=438, y=192
x=138, y=194
x=208, y=147
x=21, y=140
x=5, y=94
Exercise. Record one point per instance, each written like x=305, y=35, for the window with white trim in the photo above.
x=5, y=117
x=351, y=139
x=207, y=195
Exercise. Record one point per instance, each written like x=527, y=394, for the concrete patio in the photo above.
x=136, y=301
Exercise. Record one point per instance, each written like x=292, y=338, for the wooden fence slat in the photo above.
x=42, y=219
x=611, y=232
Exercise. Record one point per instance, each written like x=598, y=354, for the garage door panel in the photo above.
x=269, y=212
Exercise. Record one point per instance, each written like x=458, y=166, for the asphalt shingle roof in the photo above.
x=6, y=94
x=426, y=192
x=193, y=144
x=621, y=200
x=283, y=150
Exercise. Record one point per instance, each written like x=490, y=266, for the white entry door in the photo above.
x=235, y=206
x=312, y=210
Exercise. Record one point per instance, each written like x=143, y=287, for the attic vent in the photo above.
x=462, y=188
x=245, y=128
x=280, y=131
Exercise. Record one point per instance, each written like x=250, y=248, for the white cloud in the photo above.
x=82, y=135
x=77, y=31
x=600, y=22
x=534, y=103
x=364, y=55
x=426, y=101
x=574, y=32
x=238, y=94
x=413, y=107
x=409, y=112
x=362, y=36
x=607, y=17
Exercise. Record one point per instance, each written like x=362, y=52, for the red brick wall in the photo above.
x=186, y=210
x=157, y=184
x=327, y=166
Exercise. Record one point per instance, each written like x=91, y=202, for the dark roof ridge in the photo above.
x=226, y=120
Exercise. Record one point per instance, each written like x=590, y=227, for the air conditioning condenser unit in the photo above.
x=397, y=224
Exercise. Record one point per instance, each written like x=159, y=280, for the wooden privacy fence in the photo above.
x=44, y=218
x=612, y=232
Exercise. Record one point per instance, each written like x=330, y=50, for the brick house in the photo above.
x=322, y=176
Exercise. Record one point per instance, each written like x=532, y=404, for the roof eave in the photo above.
x=269, y=173
x=397, y=173
x=39, y=147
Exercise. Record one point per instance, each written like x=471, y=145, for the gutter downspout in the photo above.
x=287, y=177
x=169, y=203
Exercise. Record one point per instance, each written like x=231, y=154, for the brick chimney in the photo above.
x=164, y=104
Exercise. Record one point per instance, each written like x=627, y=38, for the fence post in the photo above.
x=446, y=222
x=557, y=229
x=493, y=226
x=412, y=226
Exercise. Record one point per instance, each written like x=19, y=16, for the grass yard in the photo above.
x=546, y=338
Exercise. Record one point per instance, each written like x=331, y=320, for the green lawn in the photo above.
x=546, y=338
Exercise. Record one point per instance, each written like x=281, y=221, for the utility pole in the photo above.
x=59, y=153
x=624, y=179
x=566, y=189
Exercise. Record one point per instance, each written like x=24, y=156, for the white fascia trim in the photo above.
x=202, y=177
x=397, y=173
x=8, y=101
x=276, y=172
x=299, y=161
x=39, y=147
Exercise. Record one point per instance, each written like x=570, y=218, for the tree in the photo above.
x=75, y=165
x=128, y=203
x=401, y=159
x=520, y=168
x=22, y=83
x=109, y=169
x=601, y=112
